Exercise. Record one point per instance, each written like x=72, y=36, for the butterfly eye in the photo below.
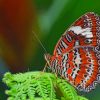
x=88, y=41
x=47, y=57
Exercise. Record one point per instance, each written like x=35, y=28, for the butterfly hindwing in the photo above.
x=81, y=68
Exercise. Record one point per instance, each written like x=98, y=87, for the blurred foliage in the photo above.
x=39, y=86
x=16, y=20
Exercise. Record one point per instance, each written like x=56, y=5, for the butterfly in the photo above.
x=76, y=56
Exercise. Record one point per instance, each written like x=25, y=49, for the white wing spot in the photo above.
x=85, y=32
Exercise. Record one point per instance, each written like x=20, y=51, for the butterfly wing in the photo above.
x=80, y=67
x=78, y=53
x=83, y=32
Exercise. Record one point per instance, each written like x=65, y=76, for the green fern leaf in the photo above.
x=67, y=90
x=39, y=86
x=82, y=98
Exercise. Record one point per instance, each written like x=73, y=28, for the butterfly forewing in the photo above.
x=76, y=56
x=84, y=32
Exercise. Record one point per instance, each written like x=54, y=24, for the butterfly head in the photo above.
x=47, y=58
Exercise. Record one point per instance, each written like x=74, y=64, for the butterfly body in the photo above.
x=76, y=56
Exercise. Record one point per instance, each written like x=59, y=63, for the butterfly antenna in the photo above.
x=39, y=41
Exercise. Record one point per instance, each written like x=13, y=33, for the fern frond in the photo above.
x=39, y=86
x=67, y=90
x=82, y=98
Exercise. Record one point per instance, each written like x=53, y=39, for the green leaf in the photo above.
x=39, y=86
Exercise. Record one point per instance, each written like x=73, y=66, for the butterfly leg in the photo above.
x=44, y=69
x=56, y=75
